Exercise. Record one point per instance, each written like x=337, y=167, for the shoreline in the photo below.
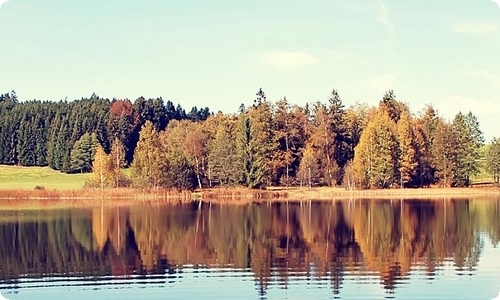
x=233, y=195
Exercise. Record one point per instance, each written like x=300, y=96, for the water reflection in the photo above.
x=321, y=243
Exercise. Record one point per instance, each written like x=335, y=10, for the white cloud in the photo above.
x=382, y=83
x=474, y=27
x=2, y=2
x=287, y=61
x=451, y=105
x=485, y=109
x=491, y=79
x=384, y=19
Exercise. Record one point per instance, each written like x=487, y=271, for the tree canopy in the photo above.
x=263, y=144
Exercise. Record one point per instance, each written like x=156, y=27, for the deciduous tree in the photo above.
x=309, y=169
x=150, y=163
x=376, y=156
x=444, y=153
x=406, y=141
x=117, y=156
x=223, y=161
x=102, y=168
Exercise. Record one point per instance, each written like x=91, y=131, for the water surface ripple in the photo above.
x=380, y=249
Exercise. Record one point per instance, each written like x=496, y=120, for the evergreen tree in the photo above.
x=83, y=152
x=343, y=142
x=469, y=141
x=255, y=143
x=26, y=140
x=493, y=160
x=391, y=106
x=283, y=157
x=60, y=159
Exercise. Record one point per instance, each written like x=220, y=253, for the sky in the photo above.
x=218, y=53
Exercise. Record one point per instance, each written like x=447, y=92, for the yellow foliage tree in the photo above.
x=117, y=157
x=102, y=168
x=150, y=163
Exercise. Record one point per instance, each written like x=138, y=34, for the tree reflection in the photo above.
x=277, y=243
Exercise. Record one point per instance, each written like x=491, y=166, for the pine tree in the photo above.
x=26, y=140
x=493, y=160
x=424, y=129
x=283, y=157
x=391, y=106
x=256, y=144
x=469, y=140
x=83, y=152
x=263, y=144
x=343, y=143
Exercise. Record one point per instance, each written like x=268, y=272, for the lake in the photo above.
x=363, y=249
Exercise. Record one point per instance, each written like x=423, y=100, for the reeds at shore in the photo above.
x=235, y=195
x=89, y=194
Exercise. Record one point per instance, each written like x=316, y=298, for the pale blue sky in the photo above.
x=217, y=53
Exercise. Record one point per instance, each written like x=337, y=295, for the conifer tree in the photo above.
x=469, y=140
x=493, y=160
x=83, y=152
x=283, y=132
x=256, y=144
x=343, y=142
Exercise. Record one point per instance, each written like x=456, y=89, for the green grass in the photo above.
x=14, y=177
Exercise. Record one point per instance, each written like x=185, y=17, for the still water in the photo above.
x=378, y=249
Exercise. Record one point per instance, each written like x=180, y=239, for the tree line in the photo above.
x=64, y=134
x=263, y=144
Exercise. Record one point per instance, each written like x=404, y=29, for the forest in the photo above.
x=264, y=144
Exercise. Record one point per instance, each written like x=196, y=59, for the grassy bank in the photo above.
x=14, y=177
